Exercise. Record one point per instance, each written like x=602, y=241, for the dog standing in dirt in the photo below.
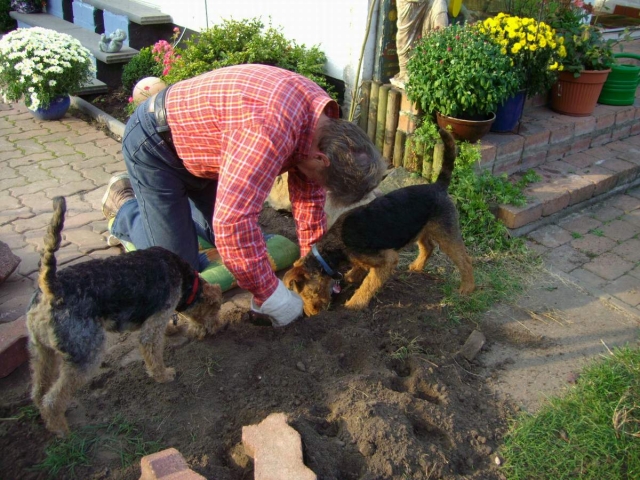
x=71, y=310
x=369, y=237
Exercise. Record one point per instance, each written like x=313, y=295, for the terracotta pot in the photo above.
x=463, y=129
x=577, y=96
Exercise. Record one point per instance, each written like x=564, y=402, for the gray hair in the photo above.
x=357, y=166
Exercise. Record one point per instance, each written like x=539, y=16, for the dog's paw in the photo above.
x=416, y=267
x=169, y=375
x=466, y=289
x=356, y=304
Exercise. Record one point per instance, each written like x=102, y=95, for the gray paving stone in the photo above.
x=593, y=244
x=608, y=266
x=625, y=288
x=551, y=236
x=580, y=223
x=588, y=279
x=606, y=213
x=629, y=250
x=566, y=258
x=619, y=230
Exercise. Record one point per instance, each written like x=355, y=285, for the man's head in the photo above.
x=355, y=166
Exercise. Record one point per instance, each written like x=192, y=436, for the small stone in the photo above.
x=300, y=366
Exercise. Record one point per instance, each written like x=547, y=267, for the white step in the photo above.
x=135, y=12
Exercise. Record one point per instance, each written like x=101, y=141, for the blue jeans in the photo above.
x=172, y=207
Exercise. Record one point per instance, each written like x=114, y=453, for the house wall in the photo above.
x=337, y=27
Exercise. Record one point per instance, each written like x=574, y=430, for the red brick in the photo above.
x=535, y=135
x=558, y=151
x=635, y=128
x=601, y=153
x=533, y=159
x=603, y=179
x=561, y=132
x=168, y=464
x=580, y=144
x=579, y=188
x=276, y=449
x=552, y=196
x=624, y=171
x=625, y=116
x=605, y=120
x=584, y=126
x=580, y=160
x=609, y=266
x=508, y=165
x=488, y=154
x=516, y=217
x=13, y=345
x=601, y=139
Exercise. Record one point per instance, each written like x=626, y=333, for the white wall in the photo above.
x=338, y=27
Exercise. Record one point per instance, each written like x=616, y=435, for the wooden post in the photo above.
x=438, y=158
x=365, y=93
x=399, y=147
x=373, y=110
x=383, y=96
x=391, y=123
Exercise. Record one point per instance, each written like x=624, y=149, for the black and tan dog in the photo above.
x=368, y=238
x=71, y=310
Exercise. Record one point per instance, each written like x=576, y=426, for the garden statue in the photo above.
x=415, y=18
x=112, y=43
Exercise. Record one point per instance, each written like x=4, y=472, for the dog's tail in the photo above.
x=450, y=154
x=52, y=240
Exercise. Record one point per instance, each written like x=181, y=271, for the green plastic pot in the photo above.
x=621, y=84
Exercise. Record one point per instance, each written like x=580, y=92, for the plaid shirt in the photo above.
x=244, y=125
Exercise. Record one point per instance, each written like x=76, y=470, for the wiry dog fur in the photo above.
x=368, y=238
x=71, y=309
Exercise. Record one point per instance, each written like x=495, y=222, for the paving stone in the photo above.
x=619, y=230
x=580, y=160
x=168, y=464
x=276, y=449
x=593, y=244
x=536, y=247
x=588, y=279
x=609, y=266
x=33, y=173
x=629, y=250
x=632, y=217
x=626, y=288
x=580, y=223
x=551, y=236
x=626, y=203
x=566, y=258
x=606, y=213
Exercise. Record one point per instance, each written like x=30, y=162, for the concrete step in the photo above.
x=135, y=12
x=89, y=39
x=93, y=88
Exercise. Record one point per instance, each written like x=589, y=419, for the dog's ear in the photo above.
x=212, y=293
x=294, y=279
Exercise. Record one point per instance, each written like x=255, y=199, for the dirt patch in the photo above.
x=114, y=103
x=378, y=394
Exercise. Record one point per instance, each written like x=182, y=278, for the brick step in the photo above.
x=580, y=160
x=108, y=65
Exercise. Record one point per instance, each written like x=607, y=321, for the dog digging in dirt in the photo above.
x=368, y=239
x=72, y=308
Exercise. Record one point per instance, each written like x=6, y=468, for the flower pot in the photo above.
x=577, y=96
x=622, y=82
x=55, y=111
x=463, y=129
x=509, y=113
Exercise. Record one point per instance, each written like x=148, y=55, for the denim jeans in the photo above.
x=172, y=207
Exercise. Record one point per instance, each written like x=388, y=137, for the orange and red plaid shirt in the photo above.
x=244, y=125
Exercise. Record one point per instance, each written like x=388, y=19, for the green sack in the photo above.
x=282, y=253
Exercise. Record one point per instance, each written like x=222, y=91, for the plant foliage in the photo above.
x=460, y=72
x=40, y=64
x=246, y=41
x=141, y=66
x=532, y=47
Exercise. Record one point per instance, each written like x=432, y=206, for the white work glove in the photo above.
x=283, y=306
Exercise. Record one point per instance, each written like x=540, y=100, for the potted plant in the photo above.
x=459, y=73
x=43, y=67
x=586, y=61
x=534, y=51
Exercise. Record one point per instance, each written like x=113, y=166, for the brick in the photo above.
x=609, y=266
x=509, y=165
x=580, y=160
x=581, y=224
x=605, y=120
x=487, y=154
x=276, y=449
x=619, y=231
x=625, y=116
x=603, y=179
x=556, y=152
x=580, y=144
x=601, y=139
x=629, y=250
x=621, y=132
x=566, y=258
x=606, y=212
x=516, y=217
x=626, y=203
x=625, y=172
x=551, y=236
x=584, y=126
x=561, y=132
x=579, y=188
x=535, y=135
x=552, y=196
x=593, y=244
x=13, y=345
x=168, y=464
x=532, y=159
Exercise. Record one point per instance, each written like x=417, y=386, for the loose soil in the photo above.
x=378, y=394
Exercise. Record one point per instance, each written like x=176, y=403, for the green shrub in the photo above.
x=141, y=66
x=236, y=42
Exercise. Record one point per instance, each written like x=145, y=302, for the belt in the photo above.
x=157, y=107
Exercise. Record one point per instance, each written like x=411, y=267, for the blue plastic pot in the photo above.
x=508, y=114
x=55, y=110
